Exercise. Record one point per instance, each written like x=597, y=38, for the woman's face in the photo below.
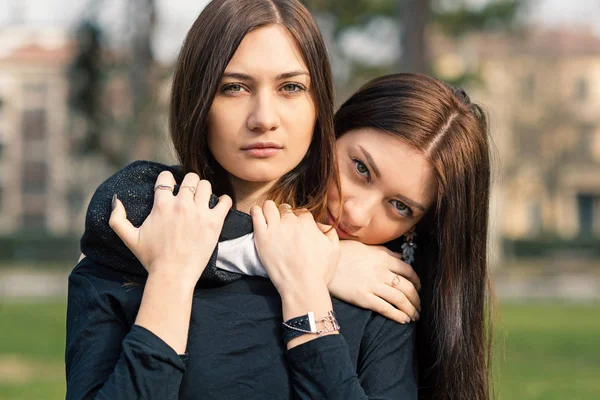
x=262, y=118
x=387, y=186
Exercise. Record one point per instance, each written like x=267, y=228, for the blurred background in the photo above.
x=84, y=90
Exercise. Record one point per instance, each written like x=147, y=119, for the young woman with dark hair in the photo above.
x=251, y=112
x=429, y=143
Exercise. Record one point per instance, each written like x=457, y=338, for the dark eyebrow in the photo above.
x=410, y=202
x=370, y=161
x=291, y=74
x=405, y=199
x=245, y=77
x=237, y=75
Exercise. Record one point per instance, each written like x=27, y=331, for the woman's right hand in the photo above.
x=375, y=278
x=181, y=232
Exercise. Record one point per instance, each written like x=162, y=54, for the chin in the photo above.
x=261, y=172
x=260, y=176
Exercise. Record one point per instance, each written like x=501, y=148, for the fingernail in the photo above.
x=407, y=319
x=417, y=316
x=114, y=202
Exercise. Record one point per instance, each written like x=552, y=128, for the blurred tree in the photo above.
x=86, y=80
x=116, y=141
x=454, y=18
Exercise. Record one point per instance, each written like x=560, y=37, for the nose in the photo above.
x=264, y=115
x=357, y=212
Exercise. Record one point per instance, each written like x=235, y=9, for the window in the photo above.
x=34, y=178
x=33, y=222
x=34, y=125
x=581, y=89
x=535, y=218
x=585, y=205
x=528, y=87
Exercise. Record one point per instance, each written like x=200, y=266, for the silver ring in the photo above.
x=396, y=280
x=163, y=187
x=191, y=188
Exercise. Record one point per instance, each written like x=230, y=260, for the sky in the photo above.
x=176, y=16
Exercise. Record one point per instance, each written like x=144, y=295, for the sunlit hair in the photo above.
x=454, y=334
x=209, y=46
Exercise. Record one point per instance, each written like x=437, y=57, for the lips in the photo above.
x=340, y=228
x=262, y=149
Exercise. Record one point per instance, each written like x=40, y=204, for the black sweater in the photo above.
x=234, y=348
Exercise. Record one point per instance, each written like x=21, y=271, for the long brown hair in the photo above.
x=209, y=46
x=454, y=333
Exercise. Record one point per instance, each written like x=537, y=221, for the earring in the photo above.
x=409, y=246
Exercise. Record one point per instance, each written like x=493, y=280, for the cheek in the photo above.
x=301, y=119
x=384, y=229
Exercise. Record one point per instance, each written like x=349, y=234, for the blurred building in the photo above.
x=43, y=185
x=33, y=130
x=543, y=92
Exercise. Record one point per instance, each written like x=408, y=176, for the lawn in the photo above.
x=552, y=351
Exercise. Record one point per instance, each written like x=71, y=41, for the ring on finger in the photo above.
x=191, y=188
x=163, y=187
x=396, y=280
x=284, y=208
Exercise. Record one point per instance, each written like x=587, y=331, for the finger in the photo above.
x=163, y=188
x=223, y=206
x=303, y=213
x=259, y=221
x=405, y=286
x=381, y=306
x=271, y=213
x=390, y=252
x=398, y=299
x=203, y=192
x=188, y=187
x=324, y=227
x=331, y=234
x=406, y=271
x=120, y=224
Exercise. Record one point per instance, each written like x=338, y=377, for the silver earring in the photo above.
x=409, y=246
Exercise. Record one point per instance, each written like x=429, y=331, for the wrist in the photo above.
x=171, y=281
x=300, y=302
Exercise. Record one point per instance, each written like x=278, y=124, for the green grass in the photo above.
x=32, y=341
x=551, y=351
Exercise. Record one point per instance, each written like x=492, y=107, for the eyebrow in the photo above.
x=410, y=202
x=370, y=161
x=245, y=77
x=405, y=199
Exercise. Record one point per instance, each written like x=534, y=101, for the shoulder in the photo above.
x=93, y=282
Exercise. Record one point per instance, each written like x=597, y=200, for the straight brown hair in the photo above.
x=209, y=46
x=454, y=333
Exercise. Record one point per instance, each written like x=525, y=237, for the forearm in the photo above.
x=105, y=358
x=323, y=369
x=166, y=309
